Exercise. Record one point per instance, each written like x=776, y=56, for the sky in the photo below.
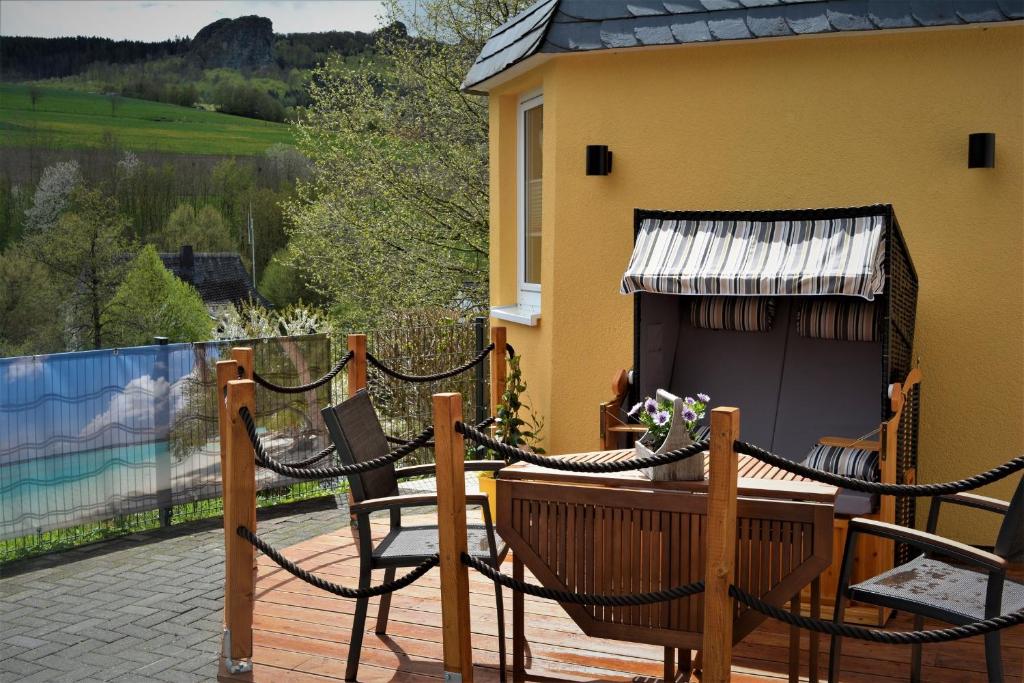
x=155, y=20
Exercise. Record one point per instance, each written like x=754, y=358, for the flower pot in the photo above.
x=690, y=469
x=489, y=486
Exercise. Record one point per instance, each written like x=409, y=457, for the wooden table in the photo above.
x=621, y=533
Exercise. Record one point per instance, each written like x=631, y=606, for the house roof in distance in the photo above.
x=219, y=277
x=558, y=26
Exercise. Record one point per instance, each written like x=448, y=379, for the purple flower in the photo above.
x=703, y=398
x=650, y=405
x=689, y=400
x=635, y=409
x=662, y=417
x=689, y=415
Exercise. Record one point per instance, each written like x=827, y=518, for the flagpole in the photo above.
x=252, y=243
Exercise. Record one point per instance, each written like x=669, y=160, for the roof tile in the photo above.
x=580, y=25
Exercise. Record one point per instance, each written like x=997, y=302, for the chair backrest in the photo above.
x=358, y=437
x=1010, y=542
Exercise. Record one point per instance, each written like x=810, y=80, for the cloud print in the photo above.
x=129, y=415
x=24, y=368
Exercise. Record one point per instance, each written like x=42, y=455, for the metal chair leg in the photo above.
x=355, y=644
x=518, y=634
x=385, y=604
x=915, y=652
x=499, y=600
x=993, y=657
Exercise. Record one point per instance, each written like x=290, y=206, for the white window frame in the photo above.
x=528, y=293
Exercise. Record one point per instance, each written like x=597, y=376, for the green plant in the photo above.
x=518, y=424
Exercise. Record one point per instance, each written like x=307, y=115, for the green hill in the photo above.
x=65, y=119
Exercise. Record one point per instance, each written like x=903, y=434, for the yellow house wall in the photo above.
x=816, y=122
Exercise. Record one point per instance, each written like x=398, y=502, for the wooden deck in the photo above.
x=301, y=635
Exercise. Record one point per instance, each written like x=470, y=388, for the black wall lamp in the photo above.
x=599, y=160
x=981, y=150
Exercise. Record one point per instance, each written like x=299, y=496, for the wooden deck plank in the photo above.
x=301, y=634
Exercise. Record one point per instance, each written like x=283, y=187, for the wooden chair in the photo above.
x=358, y=437
x=615, y=429
x=975, y=587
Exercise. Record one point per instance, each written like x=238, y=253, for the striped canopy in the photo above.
x=837, y=256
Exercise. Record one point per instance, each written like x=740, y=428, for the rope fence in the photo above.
x=598, y=599
x=966, y=484
x=309, y=386
x=265, y=460
x=329, y=586
x=391, y=372
x=513, y=454
x=942, y=635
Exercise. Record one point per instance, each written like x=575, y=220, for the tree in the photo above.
x=30, y=307
x=35, y=93
x=205, y=230
x=152, y=302
x=396, y=213
x=283, y=283
x=53, y=195
x=86, y=254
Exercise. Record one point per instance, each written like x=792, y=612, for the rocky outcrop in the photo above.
x=246, y=43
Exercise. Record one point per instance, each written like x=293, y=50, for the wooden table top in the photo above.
x=754, y=478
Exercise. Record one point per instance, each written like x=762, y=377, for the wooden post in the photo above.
x=239, y=477
x=499, y=367
x=244, y=356
x=451, y=522
x=227, y=371
x=721, y=546
x=357, y=366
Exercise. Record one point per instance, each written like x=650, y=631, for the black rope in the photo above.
x=601, y=600
x=430, y=444
x=331, y=374
x=512, y=454
x=942, y=635
x=372, y=360
x=967, y=484
x=264, y=460
x=315, y=459
x=510, y=350
x=323, y=584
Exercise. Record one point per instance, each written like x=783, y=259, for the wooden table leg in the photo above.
x=518, y=634
x=670, y=665
x=815, y=637
x=685, y=664
x=794, y=641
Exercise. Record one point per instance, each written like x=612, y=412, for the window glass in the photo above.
x=533, y=160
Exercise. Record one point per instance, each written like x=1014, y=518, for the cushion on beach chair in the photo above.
x=835, y=319
x=859, y=463
x=735, y=313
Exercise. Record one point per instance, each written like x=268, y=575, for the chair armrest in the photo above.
x=484, y=465
x=393, y=503
x=416, y=500
x=928, y=542
x=414, y=471
x=972, y=500
x=469, y=465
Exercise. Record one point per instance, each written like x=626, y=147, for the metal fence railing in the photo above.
x=101, y=443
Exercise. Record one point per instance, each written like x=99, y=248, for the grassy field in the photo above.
x=64, y=119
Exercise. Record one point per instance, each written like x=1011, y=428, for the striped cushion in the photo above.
x=736, y=313
x=843, y=320
x=848, y=462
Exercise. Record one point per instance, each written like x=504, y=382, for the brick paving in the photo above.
x=145, y=607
